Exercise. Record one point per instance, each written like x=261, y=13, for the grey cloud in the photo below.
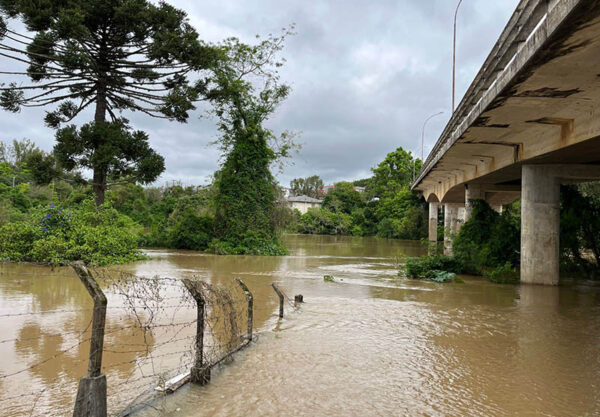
x=365, y=74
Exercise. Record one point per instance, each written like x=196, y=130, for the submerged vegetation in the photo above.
x=489, y=243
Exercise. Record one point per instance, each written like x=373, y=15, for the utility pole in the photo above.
x=454, y=55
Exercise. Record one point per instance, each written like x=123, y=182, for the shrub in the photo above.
x=431, y=266
x=488, y=239
x=191, y=231
x=504, y=274
x=98, y=236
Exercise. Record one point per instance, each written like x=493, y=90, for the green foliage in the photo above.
x=325, y=222
x=114, y=56
x=343, y=199
x=191, y=231
x=503, y=274
x=245, y=190
x=435, y=267
x=251, y=244
x=309, y=186
x=393, y=174
x=113, y=148
x=396, y=213
x=328, y=278
x=488, y=239
x=98, y=236
x=580, y=229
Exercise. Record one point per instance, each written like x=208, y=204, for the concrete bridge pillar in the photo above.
x=540, y=225
x=472, y=192
x=433, y=221
x=450, y=226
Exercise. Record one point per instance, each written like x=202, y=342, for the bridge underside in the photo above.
x=535, y=126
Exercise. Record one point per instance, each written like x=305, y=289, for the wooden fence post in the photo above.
x=91, y=392
x=250, y=305
x=280, y=295
x=198, y=374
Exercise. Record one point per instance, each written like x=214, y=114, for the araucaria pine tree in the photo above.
x=109, y=56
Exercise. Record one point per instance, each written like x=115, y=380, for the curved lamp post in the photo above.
x=454, y=55
x=423, y=135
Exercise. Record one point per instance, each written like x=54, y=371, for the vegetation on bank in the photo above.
x=387, y=208
x=147, y=58
x=489, y=243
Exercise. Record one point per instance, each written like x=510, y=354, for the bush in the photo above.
x=505, y=274
x=488, y=239
x=431, y=266
x=325, y=222
x=250, y=245
x=98, y=236
x=191, y=231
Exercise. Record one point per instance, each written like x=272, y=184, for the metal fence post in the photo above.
x=250, y=305
x=280, y=295
x=198, y=374
x=91, y=392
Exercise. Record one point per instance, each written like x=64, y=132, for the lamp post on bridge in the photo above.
x=454, y=54
x=423, y=135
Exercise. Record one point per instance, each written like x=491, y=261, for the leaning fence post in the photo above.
x=250, y=305
x=91, y=392
x=198, y=374
x=280, y=295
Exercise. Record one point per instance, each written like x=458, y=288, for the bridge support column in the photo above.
x=450, y=226
x=433, y=221
x=540, y=225
x=472, y=192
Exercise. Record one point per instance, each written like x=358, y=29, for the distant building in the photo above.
x=302, y=203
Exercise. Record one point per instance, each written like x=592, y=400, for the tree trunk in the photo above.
x=100, y=172
x=99, y=185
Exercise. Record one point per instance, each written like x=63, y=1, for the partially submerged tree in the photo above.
x=112, y=55
x=248, y=91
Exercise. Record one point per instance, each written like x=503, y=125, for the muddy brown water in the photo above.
x=370, y=344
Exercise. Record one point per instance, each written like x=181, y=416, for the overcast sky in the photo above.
x=365, y=74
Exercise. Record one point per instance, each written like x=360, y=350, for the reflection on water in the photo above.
x=369, y=344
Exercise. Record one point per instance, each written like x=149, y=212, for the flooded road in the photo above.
x=370, y=344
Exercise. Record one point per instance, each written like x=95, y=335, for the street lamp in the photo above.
x=454, y=55
x=423, y=135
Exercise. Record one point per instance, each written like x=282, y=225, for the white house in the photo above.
x=302, y=203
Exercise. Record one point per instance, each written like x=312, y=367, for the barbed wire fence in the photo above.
x=167, y=332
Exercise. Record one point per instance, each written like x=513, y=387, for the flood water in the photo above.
x=370, y=344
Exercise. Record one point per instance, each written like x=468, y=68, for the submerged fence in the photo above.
x=146, y=338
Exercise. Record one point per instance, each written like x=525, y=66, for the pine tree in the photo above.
x=112, y=56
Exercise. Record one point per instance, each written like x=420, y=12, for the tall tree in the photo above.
x=248, y=91
x=394, y=173
x=113, y=55
x=310, y=186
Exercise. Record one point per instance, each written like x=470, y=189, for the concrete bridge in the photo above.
x=529, y=122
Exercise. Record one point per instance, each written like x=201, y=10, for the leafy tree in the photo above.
x=394, y=173
x=343, y=198
x=309, y=186
x=113, y=55
x=42, y=166
x=245, y=188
